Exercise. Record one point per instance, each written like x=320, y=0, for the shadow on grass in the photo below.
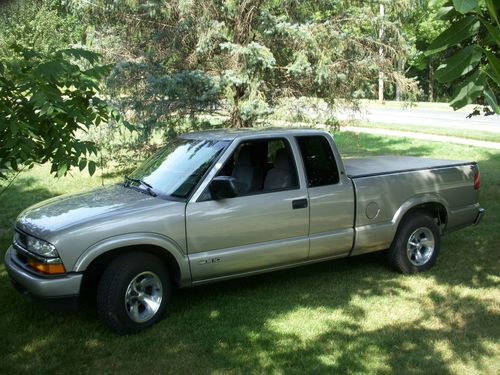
x=254, y=325
x=316, y=319
x=344, y=343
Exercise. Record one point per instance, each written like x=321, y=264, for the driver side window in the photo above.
x=261, y=166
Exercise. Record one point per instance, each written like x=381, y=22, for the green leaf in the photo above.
x=494, y=65
x=464, y=6
x=98, y=72
x=79, y=53
x=492, y=10
x=493, y=31
x=445, y=13
x=459, y=64
x=468, y=91
x=128, y=125
x=92, y=167
x=27, y=53
x=82, y=164
x=13, y=128
x=115, y=115
x=491, y=100
x=63, y=168
x=458, y=31
x=50, y=70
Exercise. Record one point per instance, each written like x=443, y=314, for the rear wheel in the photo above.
x=416, y=245
x=133, y=292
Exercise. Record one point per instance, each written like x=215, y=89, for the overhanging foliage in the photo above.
x=46, y=99
x=472, y=42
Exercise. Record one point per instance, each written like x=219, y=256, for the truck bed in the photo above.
x=380, y=165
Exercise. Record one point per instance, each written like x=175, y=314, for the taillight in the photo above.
x=477, y=180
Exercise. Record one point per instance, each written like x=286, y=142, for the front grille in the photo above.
x=21, y=247
x=21, y=257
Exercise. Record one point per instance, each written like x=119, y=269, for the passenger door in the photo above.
x=331, y=199
x=265, y=227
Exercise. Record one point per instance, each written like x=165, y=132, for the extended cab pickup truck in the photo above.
x=216, y=205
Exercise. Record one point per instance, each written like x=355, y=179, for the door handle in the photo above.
x=299, y=203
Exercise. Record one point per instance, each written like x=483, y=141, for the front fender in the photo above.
x=134, y=239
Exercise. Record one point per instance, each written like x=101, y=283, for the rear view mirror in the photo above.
x=224, y=187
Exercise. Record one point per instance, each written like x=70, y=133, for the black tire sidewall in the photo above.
x=113, y=286
x=397, y=253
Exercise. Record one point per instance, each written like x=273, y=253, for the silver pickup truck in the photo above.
x=211, y=206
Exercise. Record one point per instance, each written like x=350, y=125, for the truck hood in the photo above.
x=70, y=210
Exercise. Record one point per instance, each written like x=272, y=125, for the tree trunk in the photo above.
x=431, y=87
x=235, y=119
x=381, y=56
x=242, y=26
x=401, y=69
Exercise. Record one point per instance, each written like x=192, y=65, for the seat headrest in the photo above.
x=246, y=155
x=282, y=160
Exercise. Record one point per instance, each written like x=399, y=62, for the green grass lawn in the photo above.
x=347, y=316
x=452, y=132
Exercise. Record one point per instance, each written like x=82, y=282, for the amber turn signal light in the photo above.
x=52, y=269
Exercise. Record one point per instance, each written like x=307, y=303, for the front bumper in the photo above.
x=61, y=287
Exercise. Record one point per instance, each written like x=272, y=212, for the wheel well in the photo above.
x=436, y=210
x=94, y=271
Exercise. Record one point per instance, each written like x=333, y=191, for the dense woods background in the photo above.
x=88, y=82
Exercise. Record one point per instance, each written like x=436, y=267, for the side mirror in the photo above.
x=223, y=187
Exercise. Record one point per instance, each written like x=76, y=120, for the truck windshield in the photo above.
x=177, y=168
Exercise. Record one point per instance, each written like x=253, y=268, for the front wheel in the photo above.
x=416, y=245
x=133, y=292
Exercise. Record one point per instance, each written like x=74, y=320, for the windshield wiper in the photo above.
x=149, y=188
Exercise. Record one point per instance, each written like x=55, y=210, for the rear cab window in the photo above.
x=319, y=161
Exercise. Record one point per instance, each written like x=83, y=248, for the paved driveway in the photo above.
x=426, y=117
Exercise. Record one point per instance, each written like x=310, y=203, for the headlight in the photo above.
x=39, y=247
x=43, y=255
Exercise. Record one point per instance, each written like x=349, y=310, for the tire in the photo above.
x=133, y=292
x=416, y=245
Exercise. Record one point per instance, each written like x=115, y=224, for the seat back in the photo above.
x=247, y=171
x=281, y=175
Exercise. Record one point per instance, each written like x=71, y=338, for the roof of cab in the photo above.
x=231, y=134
